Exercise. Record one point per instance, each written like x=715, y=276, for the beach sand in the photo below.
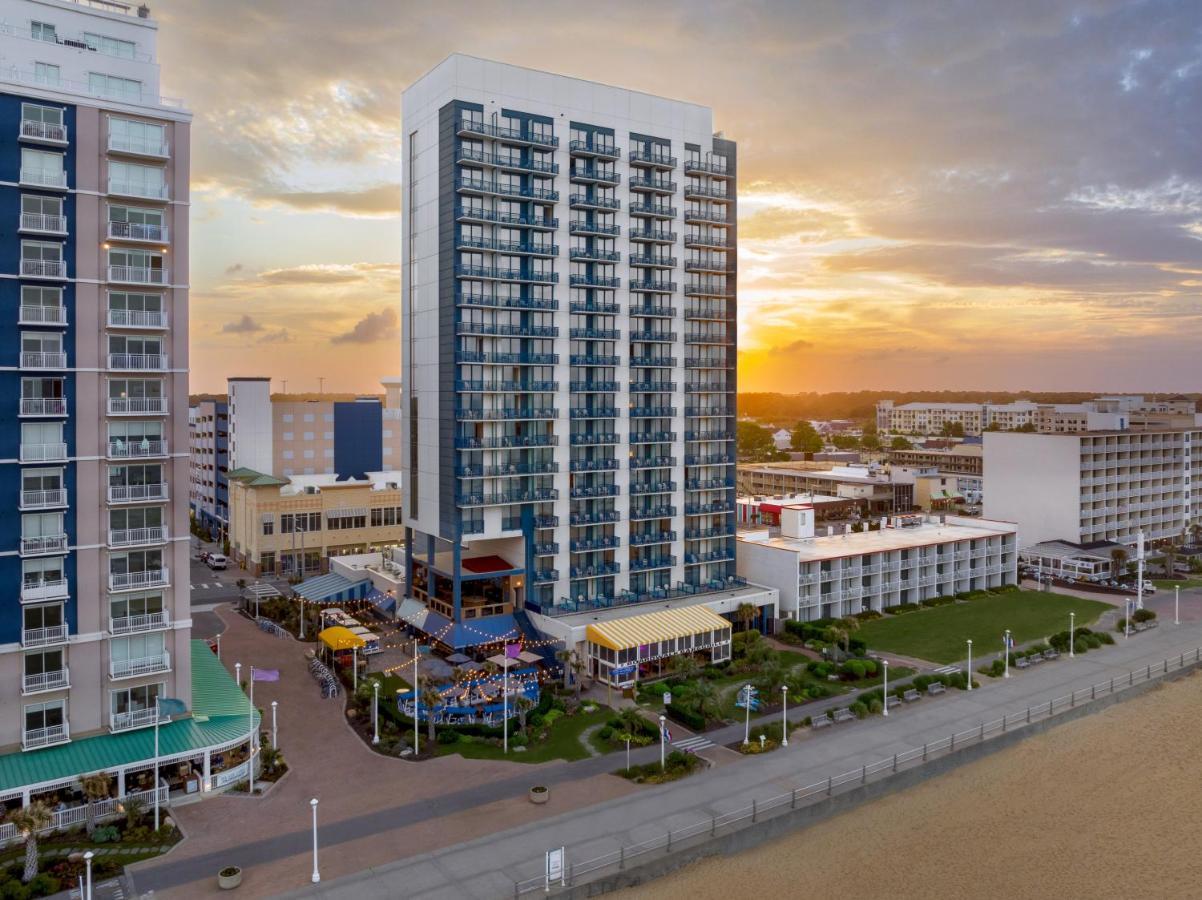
x=1109, y=805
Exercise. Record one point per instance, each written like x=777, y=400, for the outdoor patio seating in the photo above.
x=935, y=687
x=1022, y=663
x=1051, y=653
x=892, y=700
x=821, y=721
x=1140, y=626
x=844, y=715
x=911, y=695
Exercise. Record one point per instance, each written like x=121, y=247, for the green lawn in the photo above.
x=939, y=634
x=1193, y=581
x=562, y=743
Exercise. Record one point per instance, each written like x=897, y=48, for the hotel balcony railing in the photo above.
x=594, y=412
x=33, y=738
x=44, y=545
x=693, y=559
x=593, y=439
x=652, y=336
x=708, y=192
x=654, y=210
x=46, y=681
x=487, y=301
x=652, y=412
x=705, y=362
x=656, y=185
x=154, y=621
x=593, y=387
x=708, y=436
x=590, y=148
x=517, y=247
x=490, y=330
x=34, y=591
x=50, y=132
x=652, y=437
x=470, y=213
x=511, y=163
x=132, y=581
x=143, y=449
x=653, y=562
x=710, y=167
x=137, y=275
x=600, y=517
x=599, y=570
x=138, y=537
x=652, y=262
x=652, y=537
x=602, y=543
x=714, y=411
x=652, y=462
x=128, y=721
x=48, y=499
x=652, y=387
x=506, y=442
x=38, y=178
x=704, y=534
x=707, y=387
x=136, y=231
x=507, y=359
x=595, y=334
x=589, y=492
x=594, y=228
x=594, y=281
x=505, y=414
x=580, y=359
x=717, y=339
x=658, y=487
x=136, y=493
x=498, y=274
x=137, y=146
x=599, y=307
x=650, y=158
x=536, y=468
x=138, y=362
x=43, y=224
x=653, y=236
x=43, y=637
x=42, y=315
x=712, y=216
x=714, y=264
x=505, y=133
x=653, y=285
x=711, y=459
x=43, y=268
x=43, y=453
x=146, y=665
x=708, y=289
x=506, y=387
x=592, y=176
x=708, y=484
x=500, y=189
x=652, y=512
x=141, y=191
x=542, y=576
x=546, y=549
x=708, y=242
x=43, y=359
x=665, y=362
x=583, y=201
x=589, y=254
x=594, y=465
x=137, y=318
x=706, y=312
x=705, y=509
x=507, y=497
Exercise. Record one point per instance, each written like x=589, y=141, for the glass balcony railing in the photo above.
x=520, y=135
x=652, y=462
x=506, y=189
x=653, y=158
x=584, y=201
x=594, y=148
x=594, y=465
x=653, y=236
x=593, y=439
x=518, y=220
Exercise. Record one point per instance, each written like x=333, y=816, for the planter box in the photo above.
x=540, y=794
x=227, y=882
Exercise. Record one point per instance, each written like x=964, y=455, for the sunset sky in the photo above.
x=1001, y=196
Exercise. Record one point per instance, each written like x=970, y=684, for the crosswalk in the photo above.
x=205, y=587
x=947, y=670
x=693, y=744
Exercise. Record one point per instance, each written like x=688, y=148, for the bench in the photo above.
x=911, y=695
x=1022, y=663
x=892, y=700
x=1152, y=623
x=821, y=721
x=935, y=687
x=1034, y=658
x=844, y=715
x=1140, y=626
x=1051, y=653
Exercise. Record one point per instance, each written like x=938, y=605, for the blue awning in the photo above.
x=332, y=588
x=482, y=631
x=383, y=602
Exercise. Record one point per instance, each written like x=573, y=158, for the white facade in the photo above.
x=976, y=418
x=251, y=445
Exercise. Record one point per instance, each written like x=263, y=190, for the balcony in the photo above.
x=708, y=242
x=715, y=166
x=503, y=189
x=600, y=570
x=137, y=318
x=37, y=223
x=523, y=248
x=583, y=201
x=487, y=301
x=508, y=162
x=648, y=362
x=592, y=176
x=652, y=462
x=709, y=265
x=137, y=275
x=651, y=512
x=652, y=537
x=134, y=668
x=590, y=148
x=43, y=453
x=542, y=576
x=143, y=449
x=506, y=442
x=141, y=191
x=137, y=406
x=603, y=543
x=708, y=192
x=652, y=262
x=474, y=214
x=43, y=268
x=137, y=146
x=506, y=414
x=505, y=133
x=134, y=231
x=44, y=545
x=43, y=637
x=136, y=493
x=46, y=681
x=653, y=210
x=652, y=562
x=652, y=159
x=653, y=185
x=43, y=359
x=594, y=412
x=658, y=487
x=49, y=736
x=653, y=236
x=652, y=437
x=507, y=359
x=708, y=289
x=593, y=281
x=594, y=228
x=128, y=721
x=43, y=132
x=594, y=491
x=492, y=273
x=652, y=412
x=590, y=254
x=43, y=499
x=138, y=537
x=592, y=387
x=139, y=624
x=42, y=315
x=132, y=581
x=593, y=439
x=38, y=178
x=44, y=589
x=594, y=465
x=600, y=307
x=652, y=310
x=710, y=216
x=593, y=360
x=653, y=286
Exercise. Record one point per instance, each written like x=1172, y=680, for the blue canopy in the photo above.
x=383, y=602
x=332, y=588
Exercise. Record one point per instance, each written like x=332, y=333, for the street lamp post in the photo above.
x=87, y=858
x=416, y=697
x=885, y=688
x=1072, y=632
x=970, y=664
x=316, y=873
x=663, y=739
x=238, y=674
x=1177, y=604
x=784, y=715
x=747, y=707
x=375, y=711
x=1006, y=646
x=275, y=731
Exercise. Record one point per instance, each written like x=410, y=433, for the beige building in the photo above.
x=964, y=459
x=291, y=527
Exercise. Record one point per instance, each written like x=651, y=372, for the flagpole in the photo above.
x=505, y=714
x=416, y=749
x=250, y=716
x=156, y=762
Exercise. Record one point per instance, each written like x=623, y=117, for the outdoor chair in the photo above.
x=844, y=715
x=1051, y=653
x=892, y=700
x=1034, y=658
x=911, y=695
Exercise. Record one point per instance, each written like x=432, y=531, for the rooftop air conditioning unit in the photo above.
x=310, y=489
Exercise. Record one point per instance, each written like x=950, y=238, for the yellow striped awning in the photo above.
x=663, y=625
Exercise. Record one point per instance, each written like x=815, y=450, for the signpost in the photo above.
x=555, y=871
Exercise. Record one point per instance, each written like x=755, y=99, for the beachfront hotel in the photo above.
x=568, y=344
x=94, y=177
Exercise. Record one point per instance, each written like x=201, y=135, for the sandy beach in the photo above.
x=1107, y=806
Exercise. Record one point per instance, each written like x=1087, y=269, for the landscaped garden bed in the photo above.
x=677, y=765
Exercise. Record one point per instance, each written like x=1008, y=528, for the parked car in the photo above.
x=217, y=561
x=1149, y=587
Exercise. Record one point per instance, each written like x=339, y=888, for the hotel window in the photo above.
x=45, y=166
x=131, y=310
x=135, y=699
x=137, y=647
x=136, y=180
x=268, y=524
x=43, y=31
x=137, y=137
x=135, y=222
x=47, y=74
x=114, y=86
x=40, y=717
x=35, y=618
x=35, y=112
x=109, y=46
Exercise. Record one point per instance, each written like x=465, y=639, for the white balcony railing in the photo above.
x=45, y=737
x=136, y=231
x=43, y=499
x=43, y=637
x=38, y=178
x=44, y=268
x=45, y=681
x=139, y=146
x=143, y=449
x=43, y=224
x=134, y=493
x=130, y=581
x=137, y=275
x=43, y=359
x=43, y=544
x=138, y=718
x=43, y=453
x=43, y=589
x=137, y=318
x=146, y=665
x=138, y=362
x=43, y=131
x=42, y=315
x=145, y=191
x=138, y=537
x=137, y=624
x=133, y=406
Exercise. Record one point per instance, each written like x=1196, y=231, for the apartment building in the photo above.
x=1092, y=486
x=331, y=434
x=282, y=526
x=963, y=459
x=870, y=487
x=568, y=333
x=208, y=466
x=95, y=180
x=912, y=558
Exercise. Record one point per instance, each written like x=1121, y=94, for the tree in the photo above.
x=29, y=821
x=806, y=438
x=95, y=788
x=847, y=626
x=900, y=443
x=579, y=667
x=1168, y=559
x=754, y=441
x=430, y=698
x=1118, y=560
x=705, y=699
x=745, y=614
x=685, y=666
x=270, y=758
x=523, y=705
x=1195, y=531
x=870, y=439
x=952, y=429
x=846, y=442
x=772, y=678
x=564, y=657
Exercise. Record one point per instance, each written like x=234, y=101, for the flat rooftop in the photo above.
x=823, y=474
x=925, y=535
x=608, y=614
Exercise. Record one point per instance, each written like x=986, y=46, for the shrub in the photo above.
x=901, y=608
x=859, y=709
x=106, y=834
x=518, y=740
x=857, y=645
x=1059, y=641
x=874, y=706
x=1104, y=637
x=994, y=669
x=853, y=670
x=1121, y=625
x=867, y=615
x=689, y=718
x=551, y=716
x=447, y=736
x=44, y=885
x=676, y=765
x=605, y=733
x=1143, y=615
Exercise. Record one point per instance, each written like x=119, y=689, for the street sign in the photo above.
x=623, y=670
x=555, y=868
x=667, y=698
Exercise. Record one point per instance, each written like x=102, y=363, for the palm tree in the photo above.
x=705, y=697
x=685, y=666
x=134, y=808
x=523, y=705
x=849, y=625
x=430, y=698
x=1118, y=561
x=1195, y=531
x=771, y=679
x=95, y=788
x=578, y=669
x=745, y=614
x=28, y=821
x=1168, y=559
x=564, y=657
x=270, y=758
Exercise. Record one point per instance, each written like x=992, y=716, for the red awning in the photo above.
x=481, y=565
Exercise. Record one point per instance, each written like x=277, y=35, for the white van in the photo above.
x=217, y=561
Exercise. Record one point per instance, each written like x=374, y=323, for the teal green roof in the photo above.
x=254, y=478
x=214, y=694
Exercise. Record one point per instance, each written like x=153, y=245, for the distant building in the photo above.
x=1073, y=562
x=783, y=439
x=962, y=459
x=208, y=464
x=869, y=487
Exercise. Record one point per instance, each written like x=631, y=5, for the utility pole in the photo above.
x=321, y=384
